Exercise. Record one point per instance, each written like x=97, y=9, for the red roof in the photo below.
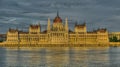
x=57, y=19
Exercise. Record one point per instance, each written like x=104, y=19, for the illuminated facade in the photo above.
x=116, y=34
x=57, y=33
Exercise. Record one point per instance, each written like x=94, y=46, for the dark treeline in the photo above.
x=114, y=39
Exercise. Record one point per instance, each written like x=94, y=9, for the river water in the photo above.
x=60, y=57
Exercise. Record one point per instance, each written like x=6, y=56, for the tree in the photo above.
x=114, y=39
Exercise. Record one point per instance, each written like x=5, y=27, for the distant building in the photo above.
x=57, y=33
x=2, y=37
x=116, y=34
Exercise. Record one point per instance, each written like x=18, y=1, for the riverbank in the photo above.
x=54, y=45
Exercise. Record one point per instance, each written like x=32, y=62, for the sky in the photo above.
x=96, y=13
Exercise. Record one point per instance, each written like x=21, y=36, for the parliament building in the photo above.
x=56, y=33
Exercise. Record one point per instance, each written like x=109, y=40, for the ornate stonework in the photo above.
x=57, y=33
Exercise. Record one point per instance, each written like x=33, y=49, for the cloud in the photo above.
x=96, y=13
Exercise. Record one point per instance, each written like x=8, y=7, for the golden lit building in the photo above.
x=57, y=33
x=114, y=34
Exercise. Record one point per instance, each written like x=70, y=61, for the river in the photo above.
x=60, y=57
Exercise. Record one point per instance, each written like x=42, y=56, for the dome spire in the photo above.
x=57, y=13
x=57, y=18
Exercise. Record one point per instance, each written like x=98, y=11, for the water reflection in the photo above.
x=59, y=57
x=114, y=57
x=26, y=57
x=2, y=57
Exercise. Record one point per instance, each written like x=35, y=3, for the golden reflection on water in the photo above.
x=57, y=57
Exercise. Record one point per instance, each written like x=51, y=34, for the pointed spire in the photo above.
x=48, y=27
x=76, y=23
x=9, y=28
x=48, y=20
x=84, y=23
x=66, y=20
x=39, y=23
x=57, y=18
x=66, y=24
x=17, y=28
x=57, y=13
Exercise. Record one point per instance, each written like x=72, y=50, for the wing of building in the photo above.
x=57, y=33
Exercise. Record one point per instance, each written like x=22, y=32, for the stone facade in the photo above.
x=57, y=33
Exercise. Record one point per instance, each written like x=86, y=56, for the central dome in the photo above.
x=57, y=19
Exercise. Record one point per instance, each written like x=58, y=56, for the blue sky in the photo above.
x=97, y=13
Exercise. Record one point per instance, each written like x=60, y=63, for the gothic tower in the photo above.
x=34, y=29
x=66, y=24
x=48, y=26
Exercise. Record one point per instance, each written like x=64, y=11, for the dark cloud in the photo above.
x=96, y=13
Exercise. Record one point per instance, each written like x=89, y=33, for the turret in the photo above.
x=48, y=26
x=34, y=29
x=81, y=28
x=102, y=35
x=12, y=35
x=66, y=24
